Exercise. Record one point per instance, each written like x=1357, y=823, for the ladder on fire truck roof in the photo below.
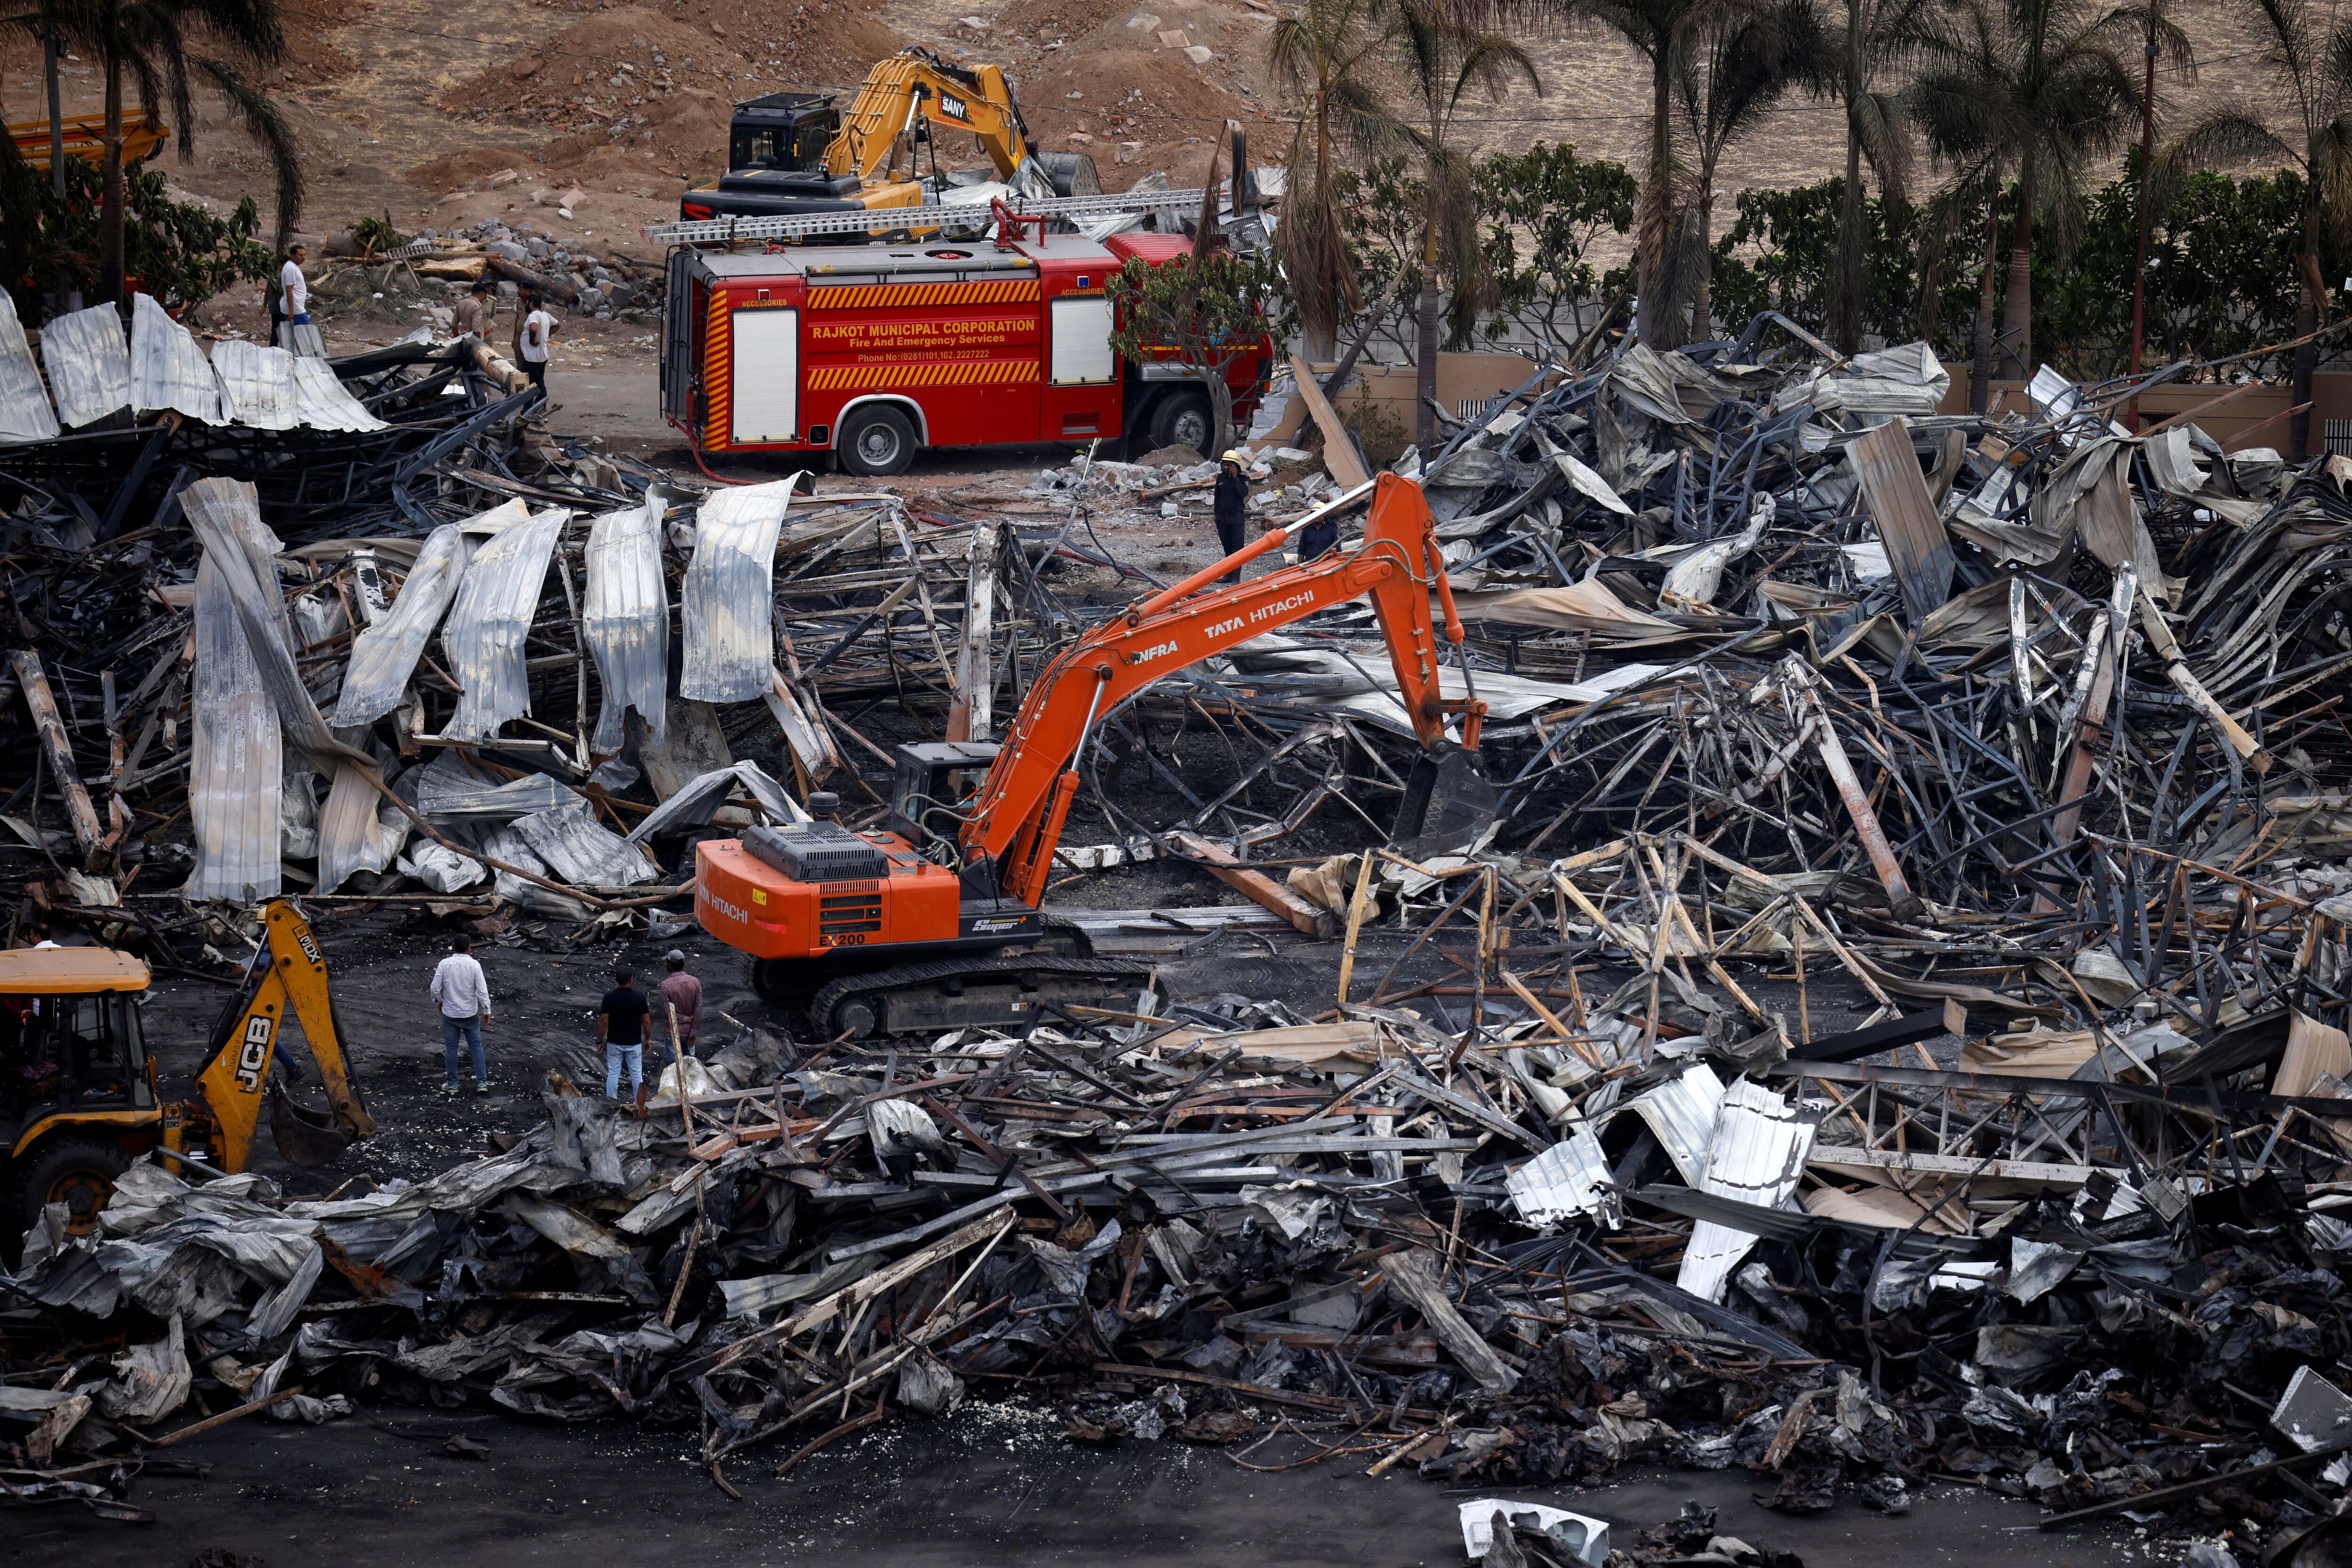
x=893, y=220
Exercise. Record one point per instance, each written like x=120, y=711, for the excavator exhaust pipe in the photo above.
x=1448, y=806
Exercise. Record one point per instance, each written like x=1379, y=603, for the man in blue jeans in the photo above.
x=463, y=993
x=621, y=1031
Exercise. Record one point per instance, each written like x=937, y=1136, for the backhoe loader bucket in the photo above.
x=1448, y=803
x=305, y=1137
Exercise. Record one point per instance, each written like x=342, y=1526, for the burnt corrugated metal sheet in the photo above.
x=321, y=402
x=384, y=655
x=89, y=365
x=582, y=851
x=237, y=762
x=168, y=371
x=256, y=384
x=727, y=602
x=626, y=618
x=1755, y=1154
x=359, y=829
x=25, y=411
x=448, y=792
x=485, y=634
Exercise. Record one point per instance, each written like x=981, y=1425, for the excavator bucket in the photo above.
x=305, y=1137
x=1448, y=804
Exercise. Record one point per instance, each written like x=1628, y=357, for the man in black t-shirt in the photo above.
x=621, y=1031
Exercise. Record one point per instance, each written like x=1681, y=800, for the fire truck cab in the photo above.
x=873, y=351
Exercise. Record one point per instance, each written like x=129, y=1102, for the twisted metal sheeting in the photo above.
x=484, y=637
x=24, y=412
x=89, y=365
x=626, y=618
x=168, y=371
x=236, y=760
x=727, y=602
x=386, y=655
x=257, y=384
x=321, y=402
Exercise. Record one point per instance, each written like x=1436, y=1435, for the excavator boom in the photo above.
x=288, y=979
x=915, y=84
x=1017, y=821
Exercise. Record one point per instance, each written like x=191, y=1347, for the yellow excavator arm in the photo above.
x=916, y=84
x=289, y=978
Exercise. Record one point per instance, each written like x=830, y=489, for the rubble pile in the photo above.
x=2016, y=737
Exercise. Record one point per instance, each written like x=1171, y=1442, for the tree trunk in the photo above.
x=1703, y=296
x=2310, y=308
x=2017, y=310
x=110, y=211
x=1653, y=226
x=1322, y=300
x=57, y=152
x=1980, y=365
x=1847, y=288
x=1221, y=409
x=1425, y=340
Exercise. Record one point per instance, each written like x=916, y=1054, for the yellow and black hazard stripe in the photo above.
x=717, y=385
x=924, y=374
x=871, y=296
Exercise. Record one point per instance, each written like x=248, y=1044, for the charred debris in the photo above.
x=2021, y=733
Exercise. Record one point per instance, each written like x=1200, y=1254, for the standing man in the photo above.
x=1233, y=509
x=294, y=296
x=683, y=993
x=476, y=311
x=463, y=992
x=621, y=1031
x=534, y=334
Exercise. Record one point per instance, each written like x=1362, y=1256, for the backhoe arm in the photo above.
x=290, y=977
x=914, y=83
x=1016, y=821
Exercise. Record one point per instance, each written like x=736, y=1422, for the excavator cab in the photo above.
x=931, y=784
x=76, y=1090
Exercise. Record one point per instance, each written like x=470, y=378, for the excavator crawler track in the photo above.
x=952, y=993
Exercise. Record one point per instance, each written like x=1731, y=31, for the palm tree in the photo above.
x=1442, y=52
x=1872, y=35
x=1326, y=56
x=1743, y=64
x=148, y=42
x=2312, y=57
x=2043, y=91
x=1667, y=264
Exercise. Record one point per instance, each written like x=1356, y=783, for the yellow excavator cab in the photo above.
x=79, y=1099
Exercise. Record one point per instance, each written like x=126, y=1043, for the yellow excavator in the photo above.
x=78, y=1093
x=792, y=152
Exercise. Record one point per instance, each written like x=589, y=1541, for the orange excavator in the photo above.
x=934, y=922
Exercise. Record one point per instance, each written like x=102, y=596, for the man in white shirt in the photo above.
x=290, y=302
x=463, y=994
x=534, y=337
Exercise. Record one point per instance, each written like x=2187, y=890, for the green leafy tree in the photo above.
x=181, y=253
x=2040, y=92
x=1742, y=63
x=1556, y=205
x=1327, y=56
x=1379, y=208
x=145, y=44
x=1207, y=310
x=1441, y=55
x=2309, y=51
x=1868, y=40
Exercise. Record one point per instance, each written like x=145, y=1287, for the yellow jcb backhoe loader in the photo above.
x=78, y=1093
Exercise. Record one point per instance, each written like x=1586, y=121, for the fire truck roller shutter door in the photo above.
x=767, y=375
x=1081, y=348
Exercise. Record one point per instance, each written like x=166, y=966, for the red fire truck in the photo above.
x=873, y=351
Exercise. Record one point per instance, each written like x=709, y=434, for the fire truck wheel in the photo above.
x=877, y=440
x=72, y=1168
x=1182, y=419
